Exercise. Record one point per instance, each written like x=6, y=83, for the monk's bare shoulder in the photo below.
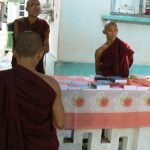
x=51, y=81
x=101, y=49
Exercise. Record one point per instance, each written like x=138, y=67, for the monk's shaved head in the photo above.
x=109, y=24
x=28, y=44
x=31, y=1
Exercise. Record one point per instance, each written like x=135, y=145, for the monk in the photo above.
x=33, y=23
x=114, y=57
x=30, y=102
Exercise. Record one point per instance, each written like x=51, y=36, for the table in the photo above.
x=124, y=113
x=106, y=109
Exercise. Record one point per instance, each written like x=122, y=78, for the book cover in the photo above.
x=117, y=79
x=101, y=84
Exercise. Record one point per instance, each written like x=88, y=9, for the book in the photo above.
x=100, y=77
x=68, y=84
x=142, y=88
x=101, y=84
x=130, y=87
x=117, y=79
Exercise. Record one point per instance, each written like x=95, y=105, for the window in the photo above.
x=130, y=7
x=21, y=13
x=45, y=4
x=47, y=10
x=21, y=9
x=1, y=14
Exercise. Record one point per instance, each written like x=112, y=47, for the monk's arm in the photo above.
x=127, y=60
x=58, y=109
x=129, y=54
x=46, y=41
x=98, y=55
x=16, y=30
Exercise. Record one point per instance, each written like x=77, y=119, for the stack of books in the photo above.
x=101, y=84
x=68, y=84
x=107, y=83
x=117, y=79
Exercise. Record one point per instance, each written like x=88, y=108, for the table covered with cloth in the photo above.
x=93, y=109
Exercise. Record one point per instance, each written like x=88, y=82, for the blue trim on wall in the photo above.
x=125, y=18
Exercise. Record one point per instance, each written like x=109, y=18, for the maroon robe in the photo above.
x=113, y=60
x=25, y=111
x=40, y=26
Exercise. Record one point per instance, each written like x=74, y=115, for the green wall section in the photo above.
x=70, y=68
x=86, y=69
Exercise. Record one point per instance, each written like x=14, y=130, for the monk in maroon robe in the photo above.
x=30, y=102
x=114, y=57
x=33, y=23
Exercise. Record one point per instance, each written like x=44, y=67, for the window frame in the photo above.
x=21, y=12
x=1, y=14
x=140, y=13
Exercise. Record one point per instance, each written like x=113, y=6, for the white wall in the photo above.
x=13, y=11
x=137, y=35
x=80, y=29
x=79, y=32
x=54, y=29
x=3, y=39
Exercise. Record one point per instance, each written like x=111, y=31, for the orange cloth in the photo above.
x=139, y=82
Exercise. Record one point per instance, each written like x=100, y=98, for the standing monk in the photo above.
x=114, y=57
x=30, y=102
x=33, y=23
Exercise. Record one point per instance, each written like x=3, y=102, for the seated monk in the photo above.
x=30, y=102
x=114, y=57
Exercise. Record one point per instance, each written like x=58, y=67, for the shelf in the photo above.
x=125, y=18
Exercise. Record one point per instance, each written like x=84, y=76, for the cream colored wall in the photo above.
x=54, y=30
x=138, y=35
x=77, y=32
x=80, y=28
x=3, y=39
x=12, y=12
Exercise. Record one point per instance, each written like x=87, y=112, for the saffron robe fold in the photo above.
x=113, y=61
x=40, y=26
x=26, y=111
